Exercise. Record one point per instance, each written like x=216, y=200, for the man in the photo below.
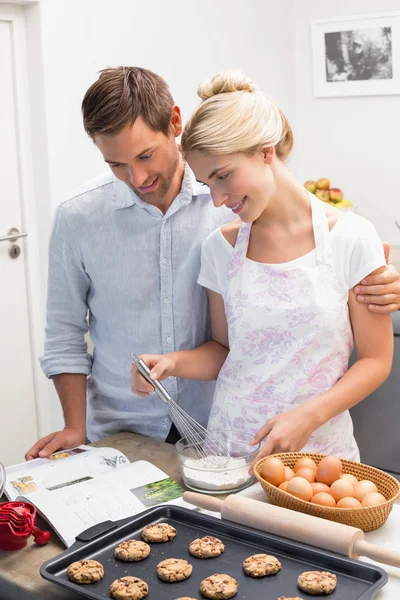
x=124, y=261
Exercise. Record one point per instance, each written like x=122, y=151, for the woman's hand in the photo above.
x=161, y=366
x=287, y=432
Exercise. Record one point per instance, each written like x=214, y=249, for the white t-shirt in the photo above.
x=356, y=251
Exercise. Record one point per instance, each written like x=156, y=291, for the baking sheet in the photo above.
x=355, y=580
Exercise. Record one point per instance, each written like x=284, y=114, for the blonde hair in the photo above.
x=234, y=116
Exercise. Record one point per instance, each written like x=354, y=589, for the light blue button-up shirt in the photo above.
x=134, y=272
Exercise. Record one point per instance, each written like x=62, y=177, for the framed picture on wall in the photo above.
x=356, y=56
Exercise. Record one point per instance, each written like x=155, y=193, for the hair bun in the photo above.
x=226, y=81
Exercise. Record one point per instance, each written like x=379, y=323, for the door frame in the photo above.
x=32, y=213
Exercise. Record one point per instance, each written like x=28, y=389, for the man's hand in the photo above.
x=160, y=365
x=69, y=437
x=382, y=291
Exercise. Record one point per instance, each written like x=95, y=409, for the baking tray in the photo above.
x=355, y=580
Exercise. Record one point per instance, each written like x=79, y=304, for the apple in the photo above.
x=323, y=195
x=323, y=184
x=311, y=186
x=336, y=194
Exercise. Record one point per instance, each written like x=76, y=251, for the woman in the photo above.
x=279, y=279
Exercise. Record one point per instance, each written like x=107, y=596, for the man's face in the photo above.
x=146, y=160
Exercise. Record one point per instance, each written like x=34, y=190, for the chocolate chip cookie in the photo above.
x=219, y=587
x=261, y=565
x=206, y=547
x=158, y=533
x=132, y=551
x=174, y=569
x=85, y=571
x=317, y=582
x=128, y=588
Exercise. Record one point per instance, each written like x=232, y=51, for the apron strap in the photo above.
x=240, y=250
x=321, y=237
x=321, y=231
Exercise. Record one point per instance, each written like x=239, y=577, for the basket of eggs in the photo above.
x=329, y=487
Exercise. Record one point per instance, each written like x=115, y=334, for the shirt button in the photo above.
x=166, y=300
x=169, y=339
x=171, y=378
x=164, y=260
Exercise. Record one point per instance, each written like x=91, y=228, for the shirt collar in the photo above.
x=123, y=196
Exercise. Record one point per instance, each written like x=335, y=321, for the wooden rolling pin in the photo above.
x=293, y=525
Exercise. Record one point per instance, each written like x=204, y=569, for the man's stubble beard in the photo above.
x=163, y=186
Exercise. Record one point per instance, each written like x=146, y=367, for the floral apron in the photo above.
x=290, y=339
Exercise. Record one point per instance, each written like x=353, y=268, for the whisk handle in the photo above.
x=145, y=371
x=203, y=501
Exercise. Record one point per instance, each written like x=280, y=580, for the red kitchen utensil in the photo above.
x=18, y=522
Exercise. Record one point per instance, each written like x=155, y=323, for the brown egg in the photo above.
x=323, y=499
x=320, y=487
x=348, y=503
x=283, y=486
x=372, y=499
x=273, y=470
x=329, y=469
x=307, y=462
x=363, y=487
x=306, y=473
x=301, y=488
x=341, y=488
x=289, y=473
x=352, y=478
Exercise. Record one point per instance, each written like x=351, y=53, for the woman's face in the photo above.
x=242, y=182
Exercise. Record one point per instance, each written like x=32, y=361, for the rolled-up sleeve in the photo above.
x=65, y=348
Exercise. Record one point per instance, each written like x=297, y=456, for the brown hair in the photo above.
x=235, y=116
x=121, y=95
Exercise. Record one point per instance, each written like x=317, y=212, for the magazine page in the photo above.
x=112, y=495
x=61, y=469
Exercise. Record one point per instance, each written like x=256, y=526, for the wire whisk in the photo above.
x=202, y=442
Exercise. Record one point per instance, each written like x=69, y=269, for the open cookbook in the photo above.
x=76, y=489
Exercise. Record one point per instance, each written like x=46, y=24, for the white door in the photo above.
x=18, y=420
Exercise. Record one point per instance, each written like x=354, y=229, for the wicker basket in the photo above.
x=366, y=518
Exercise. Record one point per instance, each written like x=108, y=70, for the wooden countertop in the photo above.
x=19, y=570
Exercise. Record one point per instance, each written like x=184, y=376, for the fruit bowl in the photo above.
x=331, y=195
x=365, y=518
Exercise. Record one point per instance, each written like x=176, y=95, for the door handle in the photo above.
x=13, y=235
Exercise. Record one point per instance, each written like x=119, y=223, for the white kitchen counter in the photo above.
x=388, y=535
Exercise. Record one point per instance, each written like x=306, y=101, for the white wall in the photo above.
x=182, y=41
x=71, y=40
x=354, y=140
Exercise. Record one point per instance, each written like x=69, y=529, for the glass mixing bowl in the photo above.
x=216, y=474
